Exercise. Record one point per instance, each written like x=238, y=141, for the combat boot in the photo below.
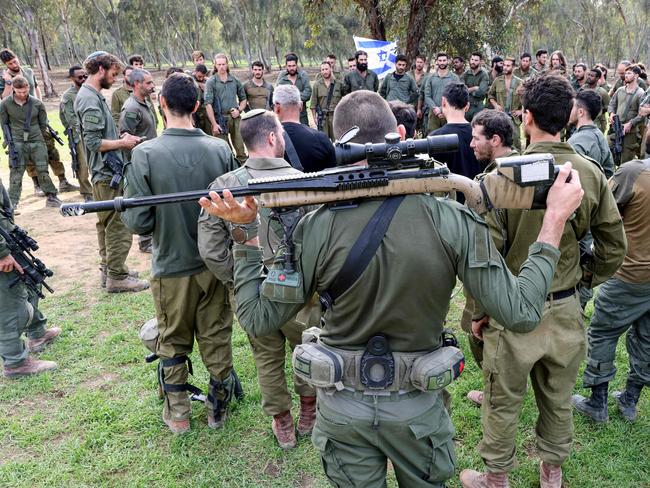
x=29, y=367
x=177, y=426
x=66, y=186
x=283, y=430
x=38, y=192
x=102, y=276
x=473, y=479
x=550, y=475
x=594, y=407
x=627, y=400
x=307, y=417
x=52, y=201
x=128, y=284
x=37, y=345
x=476, y=397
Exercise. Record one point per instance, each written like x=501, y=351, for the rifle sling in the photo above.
x=330, y=93
x=290, y=150
x=362, y=252
x=28, y=119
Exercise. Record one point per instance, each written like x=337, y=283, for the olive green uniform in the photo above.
x=96, y=123
x=215, y=247
x=402, y=88
x=319, y=99
x=480, y=79
x=303, y=85
x=626, y=106
x=551, y=354
x=354, y=81
x=433, y=87
x=201, y=120
x=510, y=101
x=19, y=312
x=589, y=141
x=519, y=73
x=230, y=93
x=138, y=118
x=259, y=96
x=118, y=98
x=69, y=120
x=29, y=145
x=190, y=302
x=601, y=120
x=623, y=301
x=355, y=431
x=421, y=122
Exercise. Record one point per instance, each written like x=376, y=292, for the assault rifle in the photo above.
x=619, y=135
x=21, y=247
x=55, y=135
x=11, y=146
x=115, y=165
x=393, y=168
x=73, y=152
x=320, y=118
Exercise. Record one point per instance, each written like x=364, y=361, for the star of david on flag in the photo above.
x=381, y=54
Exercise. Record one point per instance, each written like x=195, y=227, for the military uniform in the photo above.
x=201, y=120
x=319, y=98
x=623, y=301
x=354, y=81
x=96, y=123
x=589, y=141
x=551, y=354
x=476, y=98
x=138, y=118
x=29, y=144
x=69, y=120
x=519, y=73
x=230, y=93
x=118, y=98
x=433, y=87
x=215, y=248
x=626, y=106
x=19, y=312
x=259, y=96
x=357, y=430
x=510, y=101
x=601, y=120
x=303, y=85
x=190, y=302
x=421, y=83
x=399, y=87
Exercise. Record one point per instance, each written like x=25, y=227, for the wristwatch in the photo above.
x=241, y=233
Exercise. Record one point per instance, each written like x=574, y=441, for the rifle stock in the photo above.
x=11, y=147
x=73, y=152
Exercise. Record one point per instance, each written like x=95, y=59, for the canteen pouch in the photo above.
x=437, y=369
x=318, y=366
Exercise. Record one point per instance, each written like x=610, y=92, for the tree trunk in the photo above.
x=67, y=37
x=417, y=22
x=197, y=26
x=240, y=19
x=32, y=37
x=375, y=18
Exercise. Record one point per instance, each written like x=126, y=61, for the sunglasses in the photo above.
x=82, y=77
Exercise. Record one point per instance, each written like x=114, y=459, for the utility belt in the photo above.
x=559, y=295
x=376, y=368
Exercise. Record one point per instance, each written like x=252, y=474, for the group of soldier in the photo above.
x=527, y=274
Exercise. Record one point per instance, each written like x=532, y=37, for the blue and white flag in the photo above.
x=381, y=55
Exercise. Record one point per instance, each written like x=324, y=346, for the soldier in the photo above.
x=299, y=78
x=201, y=121
x=579, y=76
x=19, y=312
x=135, y=60
x=587, y=139
x=198, y=57
x=551, y=354
x=225, y=92
x=259, y=92
x=262, y=134
x=27, y=120
x=496, y=68
x=458, y=65
x=352, y=64
x=71, y=123
x=104, y=149
x=357, y=429
x=121, y=95
x=626, y=103
x=602, y=82
x=399, y=85
x=404, y=115
x=420, y=75
x=14, y=69
x=524, y=70
x=433, y=87
x=325, y=95
x=504, y=97
x=331, y=59
x=361, y=78
x=541, y=57
x=591, y=83
x=644, y=111
x=623, y=304
x=190, y=301
x=620, y=79
x=477, y=81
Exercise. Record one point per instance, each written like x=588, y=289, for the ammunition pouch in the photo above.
x=376, y=368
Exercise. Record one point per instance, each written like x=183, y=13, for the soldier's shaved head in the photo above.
x=368, y=111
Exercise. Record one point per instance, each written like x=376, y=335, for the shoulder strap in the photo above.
x=28, y=118
x=362, y=252
x=330, y=92
x=289, y=148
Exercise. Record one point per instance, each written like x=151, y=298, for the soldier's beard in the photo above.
x=104, y=83
x=362, y=66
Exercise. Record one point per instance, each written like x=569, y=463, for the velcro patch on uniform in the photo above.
x=131, y=115
x=283, y=287
x=281, y=277
x=302, y=366
x=92, y=119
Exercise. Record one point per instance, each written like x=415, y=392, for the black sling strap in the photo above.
x=28, y=119
x=330, y=92
x=362, y=252
x=289, y=148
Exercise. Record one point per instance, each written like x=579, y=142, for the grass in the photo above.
x=96, y=420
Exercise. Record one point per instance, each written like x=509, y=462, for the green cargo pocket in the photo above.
x=439, y=437
x=332, y=465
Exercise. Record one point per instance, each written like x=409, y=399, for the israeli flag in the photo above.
x=381, y=55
